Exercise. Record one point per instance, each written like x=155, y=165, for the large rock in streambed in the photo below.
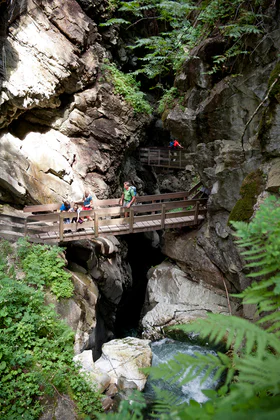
x=172, y=299
x=98, y=379
x=123, y=359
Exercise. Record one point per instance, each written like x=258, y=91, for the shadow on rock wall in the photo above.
x=9, y=12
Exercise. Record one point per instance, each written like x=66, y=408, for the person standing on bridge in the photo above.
x=128, y=196
x=87, y=203
x=174, y=145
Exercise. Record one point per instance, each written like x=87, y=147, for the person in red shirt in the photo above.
x=177, y=145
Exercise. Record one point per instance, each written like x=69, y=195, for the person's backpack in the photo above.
x=132, y=191
x=171, y=143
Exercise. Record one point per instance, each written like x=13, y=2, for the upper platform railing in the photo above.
x=163, y=156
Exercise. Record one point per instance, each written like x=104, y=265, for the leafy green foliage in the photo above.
x=170, y=29
x=128, y=88
x=168, y=99
x=44, y=267
x=251, y=367
x=36, y=350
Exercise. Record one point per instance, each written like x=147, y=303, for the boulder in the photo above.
x=98, y=378
x=123, y=358
x=173, y=298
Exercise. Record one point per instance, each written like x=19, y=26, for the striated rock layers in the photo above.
x=61, y=127
x=230, y=127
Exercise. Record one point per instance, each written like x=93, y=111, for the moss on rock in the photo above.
x=251, y=187
x=275, y=91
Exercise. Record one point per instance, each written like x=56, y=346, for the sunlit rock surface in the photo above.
x=99, y=379
x=124, y=358
x=173, y=298
x=62, y=130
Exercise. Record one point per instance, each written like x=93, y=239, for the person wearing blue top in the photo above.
x=65, y=207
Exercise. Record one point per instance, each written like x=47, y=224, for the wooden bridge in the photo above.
x=44, y=224
x=163, y=156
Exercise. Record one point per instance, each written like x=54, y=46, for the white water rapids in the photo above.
x=166, y=349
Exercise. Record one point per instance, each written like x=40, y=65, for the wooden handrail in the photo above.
x=151, y=212
x=114, y=201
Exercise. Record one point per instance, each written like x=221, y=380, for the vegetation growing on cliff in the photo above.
x=36, y=348
x=128, y=88
x=249, y=191
x=168, y=31
x=251, y=368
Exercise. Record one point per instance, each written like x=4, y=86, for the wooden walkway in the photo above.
x=163, y=157
x=154, y=212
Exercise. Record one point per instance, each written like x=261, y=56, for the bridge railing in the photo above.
x=150, y=213
x=113, y=202
x=163, y=156
x=115, y=216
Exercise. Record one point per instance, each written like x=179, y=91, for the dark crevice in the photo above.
x=141, y=257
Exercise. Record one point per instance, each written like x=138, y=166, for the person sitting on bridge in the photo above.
x=128, y=197
x=87, y=203
x=76, y=209
x=65, y=207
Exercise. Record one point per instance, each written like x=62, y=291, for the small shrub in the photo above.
x=126, y=86
x=36, y=349
x=44, y=267
x=168, y=100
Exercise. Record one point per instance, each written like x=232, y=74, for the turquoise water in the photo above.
x=166, y=349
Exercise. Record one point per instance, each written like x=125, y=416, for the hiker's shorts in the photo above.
x=126, y=203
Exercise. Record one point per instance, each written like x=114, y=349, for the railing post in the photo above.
x=25, y=227
x=131, y=220
x=96, y=224
x=163, y=210
x=153, y=202
x=196, y=213
x=180, y=159
x=169, y=157
x=61, y=227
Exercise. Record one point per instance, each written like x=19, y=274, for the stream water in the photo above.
x=166, y=349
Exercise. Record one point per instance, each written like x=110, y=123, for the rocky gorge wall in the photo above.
x=63, y=130
x=230, y=126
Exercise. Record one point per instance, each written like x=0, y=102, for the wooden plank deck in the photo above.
x=108, y=230
x=157, y=212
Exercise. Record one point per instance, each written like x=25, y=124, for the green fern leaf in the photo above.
x=235, y=331
x=115, y=21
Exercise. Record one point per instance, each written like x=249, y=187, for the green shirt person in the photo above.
x=128, y=196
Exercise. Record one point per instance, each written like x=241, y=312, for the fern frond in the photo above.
x=266, y=376
x=263, y=272
x=115, y=21
x=235, y=332
x=254, y=250
x=164, y=401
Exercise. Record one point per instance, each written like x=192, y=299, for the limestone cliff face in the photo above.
x=230, y=127
x=61, y=127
